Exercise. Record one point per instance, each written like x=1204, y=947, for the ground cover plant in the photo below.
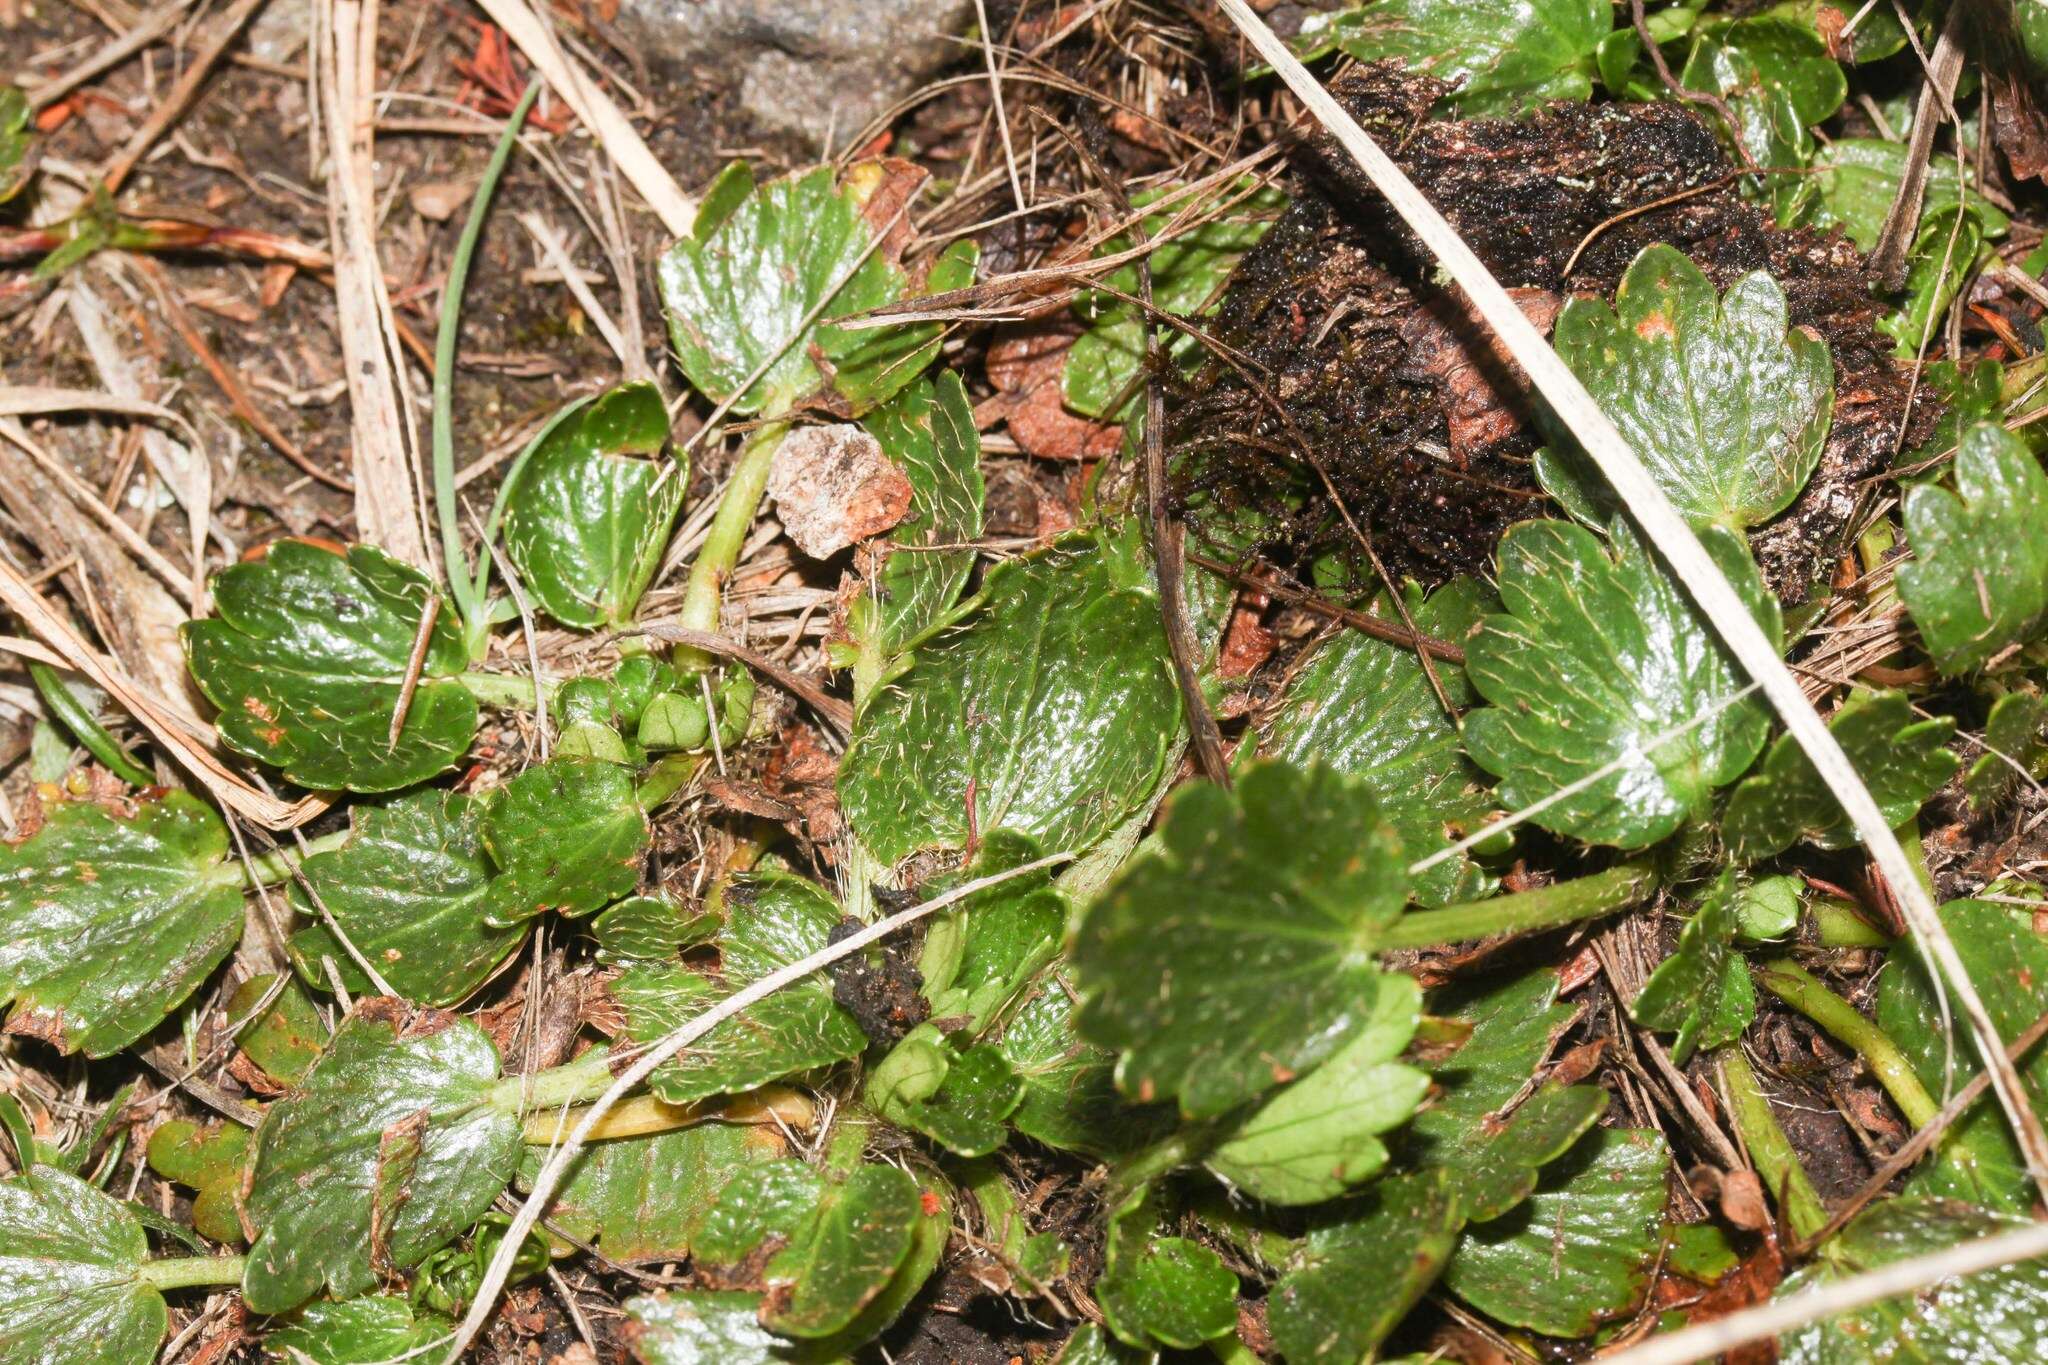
x=1035, y=738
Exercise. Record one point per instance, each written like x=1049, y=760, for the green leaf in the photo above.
x=1070, y=1100
x=287, y=1035
x=982, y=950
x=869, y=365
x=1994, y=1315
x=410, y=889
x=109, y=919
x=772, y=920
x=71, y=1291
x=1239, y=952
x=650, y=929
x=588, y=513
x=389, y=1149
x=1090, y=1345
x=1944, y=256
x=2016, y=745
x=209, y=1158
x=768, y=1200
x=306, y=654
x=704, y=1327
x=1365, y=708
x=642, y=1199
x=1513, y=1028
x=1594, y=659
x=1505, y=56
x=365, y=1331
x=1859, y=181
x=737, y=297
x=1703, y=989
x=2008, y=962
x=1319, y=1136
x=1899, y=756
x=1768, y=908
x=1727, y=407
x=1054, y=706
x=844, y=1254
x=1162, y=1291
x=17, y=142
x=1188, y=273
x=1581, y=1249
x=567, y=835
x=1355, y=1279
x=927, y=431
x=1749, y=61
x=959, y=1098
x=1978, y=583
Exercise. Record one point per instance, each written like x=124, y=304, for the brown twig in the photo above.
x=1363, y=622
x=414, y=663
x=1685, y=94
x=1889, y=258
x=835, y=711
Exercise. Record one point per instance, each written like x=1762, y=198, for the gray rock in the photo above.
x=806, y=68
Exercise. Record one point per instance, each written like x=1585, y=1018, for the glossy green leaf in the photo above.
x=71, y=1291
x=844, y=1254
x=1768, y=908
x=772, y=920
x=643, y=1199
x=704, y=1327
x=738, y=297
x=1702, y=990
x=869, y=365
x=650, y=929
x=566, y=835
x=365, y=1331
x=1899, y=756
x=769, y=1200
x=1995, y=1315
x=285, y=1036
x=1162, y=1291
x=1752, y=61
x=1595, y=658
x=1581, y=1249
x=1504, y=56
x=1070, y=1099
x=1944, y=256
x=1355, y=1279
x=209, y=1158
x=1188, y=273
x=111, y=917
x=588, y=514
x=410, y=889
x=1090, y=1345
x=1320, y=1135
x=2007, y=961
x=928, y=432
x=957, y=1097
x=306, y=654
x=1859, y=180
x=17, y=142
x=2015, y=748
x=1727, y=407
x=1238, y=952
x=982, y=950
x=1054, y=706
x=1365, y=707
x=1978, y=582
x=389, y=1149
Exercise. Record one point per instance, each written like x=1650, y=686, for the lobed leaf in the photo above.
x=1505, y=57
x=71, y=1289
x=1162, y=1291
x=1978, y=583
x=210, y=1158
x=365, y=1331
x=1354, y=1279
x=844, y=1254
x=567, y=835
x=1703, y=989
x=2015, y=749
x=928, y=432
x=869, y=365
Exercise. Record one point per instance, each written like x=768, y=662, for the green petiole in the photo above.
x=720, y=552
x=1770, y=1151
x=1524, y=911
x=186, y=1272
x=66, y=709
x=1806, y=993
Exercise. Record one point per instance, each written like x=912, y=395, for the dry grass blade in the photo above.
x=550, y=1177
x=1680, y=549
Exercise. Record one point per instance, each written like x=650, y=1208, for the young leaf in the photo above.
x=1899, y=756
x=705, y=1327
x=109, y=919
x=71, y=1285
x=1052, y=712
x=365, y=1331
x=1859, y=182
x=957, y=1097
x=650, y=929
x=979, y=953
x=389, y=1149
x=1365, y=707
x=1728, y=408
x=1162, y=1291
x=1504, y=56
x=927, y=431
x=1760, y=63
x=869, y=365
x=735, y=295
x=1355, y=1279
x=771, y=1199
x=1070, y=1100
x=1703, y=989
x=1319, y=1136
x=306, y=654
x=210, y=1159
x=1090, y=1345
x=409, y=889
x=17, y=142
x=1595, y=658
x=588, y=514
x=567, y=835
x=2015, y=746
x=1239, y=953
x=287, y=1036
x=772, y=920
x=1999, y=1314
x=1943, y=257
x=844, y=1254
x=1978, y=583
x=1583, y=1246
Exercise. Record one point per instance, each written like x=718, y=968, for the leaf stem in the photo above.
x=1525, y=911
x=1805, y=992
x=1770, y=1151
x=67, y=710
x=544, y=1092
x=465, y=589
x=1837, y=925
x=728, y=535
x=186, y=1271
x=644, y=1114
x=277, y=865
x=505, y=691
x=667, y=776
